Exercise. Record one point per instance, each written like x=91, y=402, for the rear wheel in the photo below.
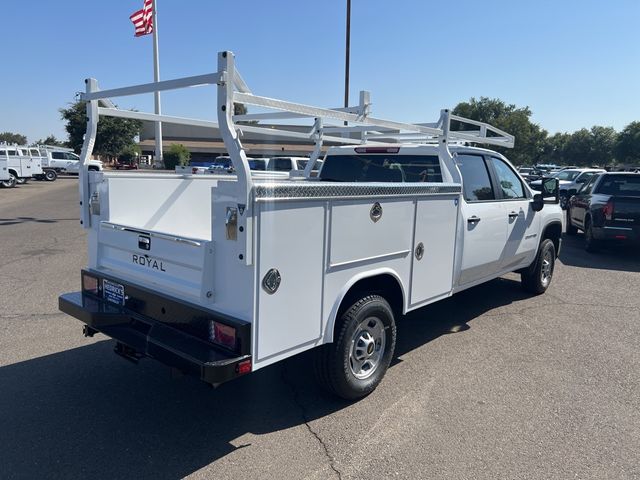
x=355, y=363
x=21, y=180
x=50, y=175
x=591, y=245
x=537, y=278
x=571, y=230
x=9, y=183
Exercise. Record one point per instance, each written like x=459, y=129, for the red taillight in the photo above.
x=90, y=284
x=244, y=367
x=607, y=210
x=224, y=335
x=377, y=149
x=621, y=237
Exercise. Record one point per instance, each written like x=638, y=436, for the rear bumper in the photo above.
x=617, y=234
x=141, y=336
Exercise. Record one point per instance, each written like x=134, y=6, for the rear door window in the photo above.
x=475, y=178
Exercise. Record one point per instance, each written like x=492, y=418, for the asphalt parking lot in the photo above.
x=492, y=383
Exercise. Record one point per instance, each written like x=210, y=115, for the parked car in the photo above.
x=570, y=179
x=606, y=209
x=126, y=165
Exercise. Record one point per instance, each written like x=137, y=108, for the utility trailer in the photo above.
x=221, y=275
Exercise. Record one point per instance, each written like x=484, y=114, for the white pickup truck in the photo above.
x=265, y=268
x=63, y=160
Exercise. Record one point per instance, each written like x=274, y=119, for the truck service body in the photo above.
x=267, y=266
x=22, y=165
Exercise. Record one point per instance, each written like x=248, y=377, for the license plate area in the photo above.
x=113, y=292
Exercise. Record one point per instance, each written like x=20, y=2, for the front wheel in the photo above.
x=354, y=364
x=9, y=183
x=537, y=278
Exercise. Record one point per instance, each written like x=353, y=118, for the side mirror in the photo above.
x=581, y=180
x=550, y=188
x=538, y=202
x=571, y=192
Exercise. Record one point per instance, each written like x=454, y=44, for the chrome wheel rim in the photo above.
x=547, y=268
x=367, y=347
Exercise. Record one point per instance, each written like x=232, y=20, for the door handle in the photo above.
x=473, y=219
x=513, y=214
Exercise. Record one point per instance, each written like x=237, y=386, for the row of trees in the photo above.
x=586, y=147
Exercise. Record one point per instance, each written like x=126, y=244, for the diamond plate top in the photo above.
x=327, y=190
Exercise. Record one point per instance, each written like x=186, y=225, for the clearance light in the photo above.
x=244, y=367
x=90, y=284
x=377, y=149
x=224, y=335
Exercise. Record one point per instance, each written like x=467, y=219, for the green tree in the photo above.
x=114, y=134
x=554, y=149
x=13, y=138
x=529, y=137
x=51, y=140
x=177, y=154
x=627, y=147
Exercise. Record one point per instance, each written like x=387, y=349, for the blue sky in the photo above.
x=575, y=63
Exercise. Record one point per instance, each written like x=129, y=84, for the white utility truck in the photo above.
x=7, y=180
x=20, y=162
x=221, y=275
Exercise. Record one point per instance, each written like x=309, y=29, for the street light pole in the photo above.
x=347, y=55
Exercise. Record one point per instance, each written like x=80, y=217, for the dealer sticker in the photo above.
x=113, y=292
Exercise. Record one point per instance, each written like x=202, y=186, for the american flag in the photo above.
x=143, y=19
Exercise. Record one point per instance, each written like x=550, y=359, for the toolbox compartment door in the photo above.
x=433, y=248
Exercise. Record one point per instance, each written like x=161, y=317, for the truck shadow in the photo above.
x=624, y=258
x=87, y=413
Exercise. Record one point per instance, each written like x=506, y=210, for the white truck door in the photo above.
x=484, y=222
x=434, y=246
x=523, y=223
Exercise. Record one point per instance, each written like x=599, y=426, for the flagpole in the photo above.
x=159, y=161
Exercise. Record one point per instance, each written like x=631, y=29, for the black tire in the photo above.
x=591, y=245
x=336, y=363
x=21, y=180
x=50, y=175
x=571, y=229
x=9, y=183
x=537, y=278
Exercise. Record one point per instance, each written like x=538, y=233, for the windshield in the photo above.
x=566, y=175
